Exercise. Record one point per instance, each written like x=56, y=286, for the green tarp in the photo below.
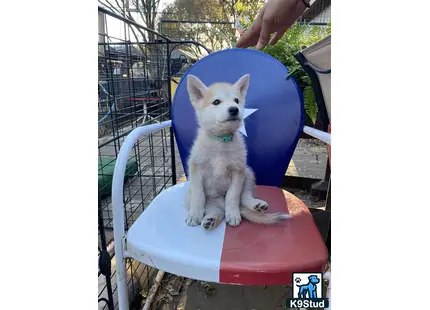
x=106, y=167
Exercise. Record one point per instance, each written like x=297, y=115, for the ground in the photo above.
x=196, y=295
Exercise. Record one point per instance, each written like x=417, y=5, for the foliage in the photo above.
x=242, y=8
x=295, y=39
x=215, y=37
x=218, y=37
x=310, y=105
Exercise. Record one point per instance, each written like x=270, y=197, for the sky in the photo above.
x=116, y=28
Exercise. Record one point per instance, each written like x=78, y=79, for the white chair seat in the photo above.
x=161, y=239
x=239, y=255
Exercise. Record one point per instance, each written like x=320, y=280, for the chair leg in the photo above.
x=322, y=220
x=328, y=197
x=328, y=209
x=320, y=188
x=328, y=240
x=121, y=276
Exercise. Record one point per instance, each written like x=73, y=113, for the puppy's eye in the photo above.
x=216, y=102
x=236, y=100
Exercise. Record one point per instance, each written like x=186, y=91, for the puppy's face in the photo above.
x=220, y=107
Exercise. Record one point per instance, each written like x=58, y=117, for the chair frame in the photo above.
x=120, y=236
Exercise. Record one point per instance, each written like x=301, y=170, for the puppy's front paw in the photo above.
x=233, y=218
x=194, y=218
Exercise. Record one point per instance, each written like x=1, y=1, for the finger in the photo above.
x=264, y=34
x=295, y=15
x=250, y=36
x=277, y=36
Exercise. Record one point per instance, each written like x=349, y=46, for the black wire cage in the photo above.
x=217, y=35
x=134, y=89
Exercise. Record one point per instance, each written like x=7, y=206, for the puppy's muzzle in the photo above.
x=233, y=111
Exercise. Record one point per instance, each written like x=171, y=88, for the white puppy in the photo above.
x=221, y=184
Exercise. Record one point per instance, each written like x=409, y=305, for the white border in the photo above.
x=380, y=206
x=380, y=170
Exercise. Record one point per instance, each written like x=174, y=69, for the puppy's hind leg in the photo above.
x=247, y=199
x=214, y=213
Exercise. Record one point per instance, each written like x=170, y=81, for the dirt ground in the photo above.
x=178, y=293
x=196, y=295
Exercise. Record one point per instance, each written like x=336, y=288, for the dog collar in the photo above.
x=222, y=138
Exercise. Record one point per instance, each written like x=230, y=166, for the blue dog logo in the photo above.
x=309, y=289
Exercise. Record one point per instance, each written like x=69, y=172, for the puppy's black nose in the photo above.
x=233, y=111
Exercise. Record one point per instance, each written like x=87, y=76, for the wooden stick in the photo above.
x=153, y=290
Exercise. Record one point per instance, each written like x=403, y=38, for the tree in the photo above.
x=217, y=36
x=214, y=37
x=146, y=9
x=242, y=8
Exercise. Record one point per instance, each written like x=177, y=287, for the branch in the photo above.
x=130, y=17
x=111, y=7
x=119, y=11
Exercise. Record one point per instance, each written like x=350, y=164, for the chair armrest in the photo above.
x=118, y=186
x=320, y=135
x=120, y=166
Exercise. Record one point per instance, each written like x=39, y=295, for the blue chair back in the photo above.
x=272, y=131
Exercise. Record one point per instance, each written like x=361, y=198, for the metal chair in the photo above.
x=247, y=254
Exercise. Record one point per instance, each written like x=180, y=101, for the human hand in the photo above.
x=275, y=18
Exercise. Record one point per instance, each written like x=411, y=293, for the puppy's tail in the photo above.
x=263, y=218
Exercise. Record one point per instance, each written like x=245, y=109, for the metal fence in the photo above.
x=134, y=87
x=319, y=13
x=216, y=35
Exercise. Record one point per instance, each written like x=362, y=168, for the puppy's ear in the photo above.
x=242, y=84
x=196, y=89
